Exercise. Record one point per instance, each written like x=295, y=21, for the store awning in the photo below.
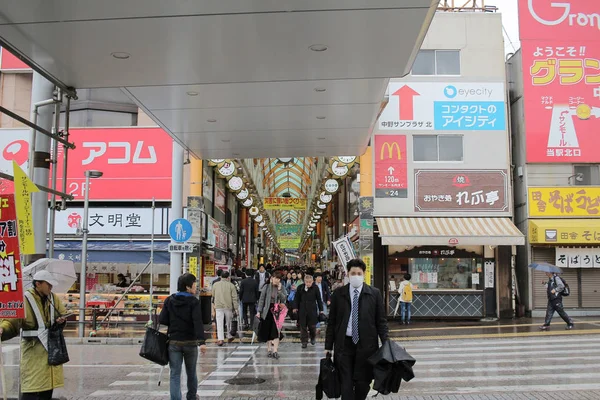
x=449, y=231
x=564, y=231
x=136, y=252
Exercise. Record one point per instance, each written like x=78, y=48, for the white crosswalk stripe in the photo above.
x=533, y=364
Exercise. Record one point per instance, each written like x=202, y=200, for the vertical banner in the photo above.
x=391, y=174
x=11, y=279
x=23, y=188
x=344, y=249
x=365, y=209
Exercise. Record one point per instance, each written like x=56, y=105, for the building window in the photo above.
x=585, y=175
x=437, y=62
x=435, y=148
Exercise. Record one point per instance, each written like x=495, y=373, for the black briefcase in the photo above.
x=155, y=347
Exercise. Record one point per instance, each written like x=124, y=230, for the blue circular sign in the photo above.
x=450, y=91
x=180, y=230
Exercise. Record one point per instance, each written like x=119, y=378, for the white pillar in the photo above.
x=41, y=90
x=176, y=209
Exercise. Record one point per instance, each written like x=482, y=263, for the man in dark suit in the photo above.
x=356, y=321
x=249, y=296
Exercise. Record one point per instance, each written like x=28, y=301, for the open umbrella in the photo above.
x=545, y=267
x=63, y=272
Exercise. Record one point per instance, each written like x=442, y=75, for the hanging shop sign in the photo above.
x=248, y=202
x=322, y=206
x=258, y=218
x=570, y=201
x=564, y=231
x=226, y=169
x=235, y=183
x=344, y=250
x=346, y=159
x=461, y=190
x=331, y=186
x=243, y=194
x=197, y=217
x=325, y=197
x=561, y=59
x=391, y=176
x=284, y=203
x=459, y=106
x=215, y=161
x=572, y=257
x=136, y=163
x=288, y=229
x=289, y=242
x=338, y=169
x=11, y=278
x=253, y=211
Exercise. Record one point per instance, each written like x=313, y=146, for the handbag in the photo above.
x=234, y=327
x=322, y=317
x=57, y=347
x=155, y=347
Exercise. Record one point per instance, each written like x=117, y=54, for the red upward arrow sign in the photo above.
x=406, y=104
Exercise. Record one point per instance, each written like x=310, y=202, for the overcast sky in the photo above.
x=510, y=20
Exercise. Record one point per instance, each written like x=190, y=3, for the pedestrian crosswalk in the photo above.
x=501, y=366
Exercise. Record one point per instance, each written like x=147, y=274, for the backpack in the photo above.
x=407, y=295
x=567, y=291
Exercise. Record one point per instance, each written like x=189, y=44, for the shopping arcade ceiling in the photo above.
x=233, y=78
x=288, y=179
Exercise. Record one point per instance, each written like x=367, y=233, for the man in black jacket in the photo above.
x=249, y=295
x=262, y=276
x=356, y=322
x=306, y=303
x=183, y=315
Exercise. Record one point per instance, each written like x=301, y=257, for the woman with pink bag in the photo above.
x=272, y=312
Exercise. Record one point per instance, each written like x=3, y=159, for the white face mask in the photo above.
x=357, y=280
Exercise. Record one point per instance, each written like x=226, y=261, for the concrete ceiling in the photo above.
x=231, y=78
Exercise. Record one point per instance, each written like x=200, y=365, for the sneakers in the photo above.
x=544, y=327
x=276, y=355
x=570, y=326
x=313, y=342
x=304, y=345
x=270, y=354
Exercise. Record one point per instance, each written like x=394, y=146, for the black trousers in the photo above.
x=249, y=309
x=351, y=389
x=556, y=305
x=305, y=329
x=47, y=395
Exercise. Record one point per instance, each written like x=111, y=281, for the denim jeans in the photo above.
x=405, y=310
x=178, y=355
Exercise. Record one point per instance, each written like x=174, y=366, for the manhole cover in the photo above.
x=245, y=381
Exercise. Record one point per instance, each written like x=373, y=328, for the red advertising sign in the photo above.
x=391, y=176
x=136, y=163
x=10, y=62
x=561, y=67
x=11, y=279
x=14, y=146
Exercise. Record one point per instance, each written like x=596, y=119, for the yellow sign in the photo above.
x=194, y=266
x=369, y=271
x=564, y=231
x=390, y=148
x=289, y=243
x=284, y=203
x=209, y=268
x=571, y=201
x=23, y=189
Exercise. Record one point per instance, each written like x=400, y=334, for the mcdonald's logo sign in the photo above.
x=390, y=148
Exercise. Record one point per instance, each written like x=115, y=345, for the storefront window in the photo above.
x=443, y=268
x=444, y=273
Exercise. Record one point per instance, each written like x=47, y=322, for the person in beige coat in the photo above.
x=38, y=379
x=225, y=302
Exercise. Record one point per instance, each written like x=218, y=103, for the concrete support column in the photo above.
x=176, y=210
x=41, y=90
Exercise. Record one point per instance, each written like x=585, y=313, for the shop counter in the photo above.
x=441, y=304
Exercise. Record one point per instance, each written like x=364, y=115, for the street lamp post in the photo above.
x=82, y=289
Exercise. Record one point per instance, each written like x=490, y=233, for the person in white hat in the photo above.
x=42, y=309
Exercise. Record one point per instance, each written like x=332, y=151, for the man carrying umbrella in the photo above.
x=555, y=288
x=42, y=309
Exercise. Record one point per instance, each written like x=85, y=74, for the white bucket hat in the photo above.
x=46, y=277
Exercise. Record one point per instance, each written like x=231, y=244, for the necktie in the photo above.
x=355, y=317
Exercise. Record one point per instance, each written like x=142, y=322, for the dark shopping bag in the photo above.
x=329, y=380
x=57, y=347
x=256, y=325
x=155, y=347
x=234, y=327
